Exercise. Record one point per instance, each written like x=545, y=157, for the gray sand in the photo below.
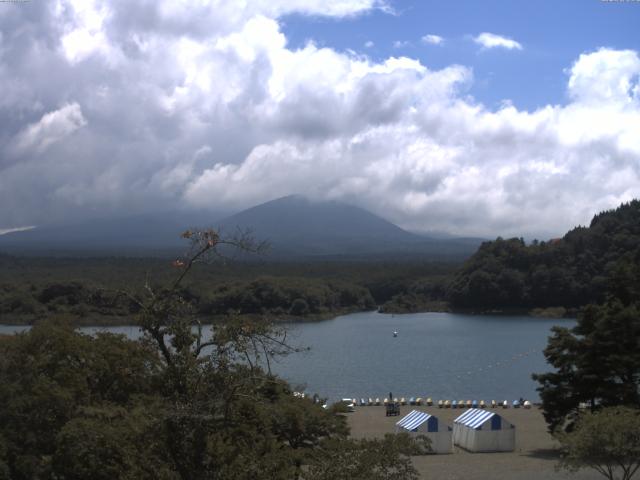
x=534, y=458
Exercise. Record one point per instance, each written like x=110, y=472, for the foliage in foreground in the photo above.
x=607, y=441
x=597, y=362
x=179, y=404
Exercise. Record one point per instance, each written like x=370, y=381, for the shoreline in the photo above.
x=320, y=317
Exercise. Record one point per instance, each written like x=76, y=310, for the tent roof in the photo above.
x=474, y=417
x=413, y=420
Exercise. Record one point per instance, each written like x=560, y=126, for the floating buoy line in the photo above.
x=502, y=363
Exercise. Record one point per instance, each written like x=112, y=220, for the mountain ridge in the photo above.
x=294, y=226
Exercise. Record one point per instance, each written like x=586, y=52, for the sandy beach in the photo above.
x=534, y=457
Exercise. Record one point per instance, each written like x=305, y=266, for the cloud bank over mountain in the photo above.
x=138, y=105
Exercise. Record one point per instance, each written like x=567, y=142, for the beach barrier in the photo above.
x=457, y=404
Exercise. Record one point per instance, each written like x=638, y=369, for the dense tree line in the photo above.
x=280, y=297
x=284, y=297
x=571, y=272
x=35, y=288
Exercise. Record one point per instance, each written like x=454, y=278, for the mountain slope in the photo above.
x=299, y=226
x=295, y=228
x=578, y=269
x=141, y=235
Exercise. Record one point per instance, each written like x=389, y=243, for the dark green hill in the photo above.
x=298, y=227
x=569, y=272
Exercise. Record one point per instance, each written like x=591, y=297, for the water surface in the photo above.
x=439, y=355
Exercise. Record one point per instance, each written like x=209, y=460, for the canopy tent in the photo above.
x=421, y=423
x=480, y=430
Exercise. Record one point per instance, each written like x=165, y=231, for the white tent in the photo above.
x=420, y=423
x=480, y=430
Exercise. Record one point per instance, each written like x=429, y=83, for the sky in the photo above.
x=474, y=118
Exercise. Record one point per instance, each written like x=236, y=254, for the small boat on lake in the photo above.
x=395, y=333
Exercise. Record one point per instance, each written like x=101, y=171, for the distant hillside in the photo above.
x=297, y=227
x=570, y=272
x=144, y=235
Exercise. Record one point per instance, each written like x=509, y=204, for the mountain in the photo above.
x=299, y=227
x=294, y=227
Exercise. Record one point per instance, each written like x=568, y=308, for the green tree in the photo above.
x=388, y=458
x=597, y=362
x=607, y=441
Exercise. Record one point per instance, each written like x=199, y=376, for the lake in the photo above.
x=438, y=355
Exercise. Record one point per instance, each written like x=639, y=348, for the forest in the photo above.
x=568, y=272
x=91, y=289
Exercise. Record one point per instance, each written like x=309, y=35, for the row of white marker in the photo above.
x=364, y=402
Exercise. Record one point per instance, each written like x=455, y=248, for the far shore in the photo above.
x=126, y=321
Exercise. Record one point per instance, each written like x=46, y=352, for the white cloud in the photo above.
x=4, y=231
x=606, y=76
x=205, y=104
x=51, y=128
x=491, y=40
x=369, y=44
x=401, y=43
x=433, y=39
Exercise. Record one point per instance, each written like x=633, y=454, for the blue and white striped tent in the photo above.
x=479, y=430
x=421, y=423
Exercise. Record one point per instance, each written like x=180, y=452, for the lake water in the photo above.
x=438, y=355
